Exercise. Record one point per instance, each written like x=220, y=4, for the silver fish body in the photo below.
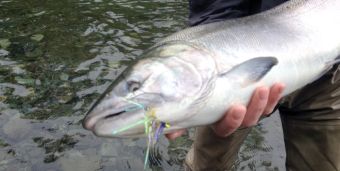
x=193, y=76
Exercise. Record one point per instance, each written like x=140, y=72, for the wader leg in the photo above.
x=312, y=145
x=311, y=125
x=210, y=152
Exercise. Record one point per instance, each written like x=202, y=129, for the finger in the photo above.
x=274, y=96
x=231, y=121
x=256, y=106
x=174, y=135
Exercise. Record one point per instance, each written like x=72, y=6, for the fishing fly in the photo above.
x=153, y=126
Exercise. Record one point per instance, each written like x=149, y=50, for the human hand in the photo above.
x=262, y=103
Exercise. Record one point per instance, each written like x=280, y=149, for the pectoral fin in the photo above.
x=250, y=71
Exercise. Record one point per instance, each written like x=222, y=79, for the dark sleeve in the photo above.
x=207, y=11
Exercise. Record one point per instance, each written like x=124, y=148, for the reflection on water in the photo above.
x=56, y=58
x=263, y=148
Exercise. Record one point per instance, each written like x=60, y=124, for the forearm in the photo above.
x=207, y=11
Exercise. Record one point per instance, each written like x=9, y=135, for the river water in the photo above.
x=57, y=57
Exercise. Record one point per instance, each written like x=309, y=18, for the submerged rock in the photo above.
x=76, y=161
x=109, y=149
x=37, y=37
x=17, y=128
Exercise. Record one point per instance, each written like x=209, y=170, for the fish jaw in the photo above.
x=123, y=117
x=119, y=127
x=127, y=121
x=116, y=118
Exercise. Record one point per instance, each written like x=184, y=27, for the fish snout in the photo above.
x=94, y=117
x=89, y=122
x=111, y=119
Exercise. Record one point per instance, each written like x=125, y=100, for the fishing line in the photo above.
x=128, y=127
x=139, y=105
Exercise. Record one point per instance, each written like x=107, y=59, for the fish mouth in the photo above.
x=114, y=114
x=94, y=117
x=110, y=121
x=123, y=122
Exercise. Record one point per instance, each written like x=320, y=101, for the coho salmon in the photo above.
x=193, y=76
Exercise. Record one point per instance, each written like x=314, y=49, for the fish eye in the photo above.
x=133, y=86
